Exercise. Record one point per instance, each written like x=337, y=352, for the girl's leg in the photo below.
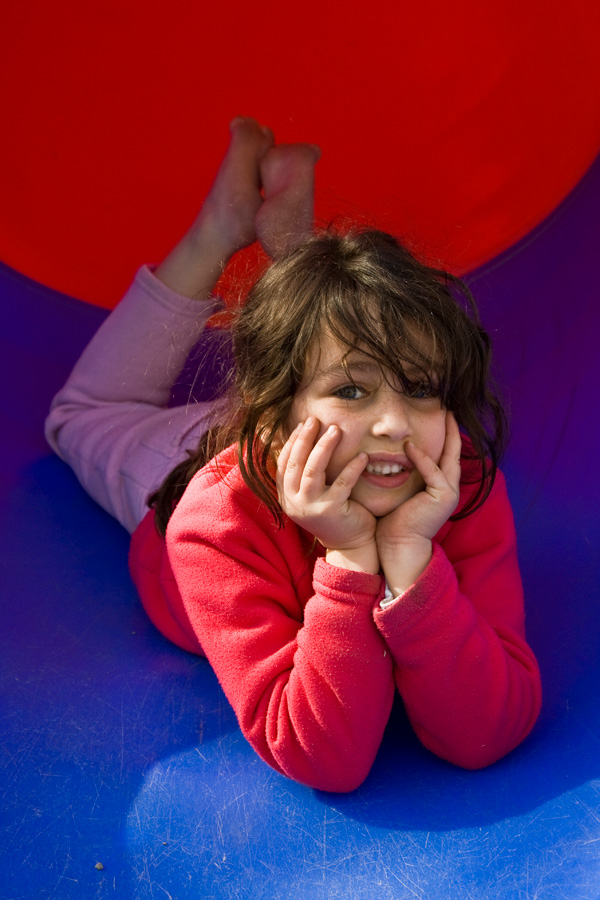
x=225, y=222
x=110, y=421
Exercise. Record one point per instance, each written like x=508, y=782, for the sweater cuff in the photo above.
x=388, y=598
x=414, y=603
x=346, y=584
x=146, y=281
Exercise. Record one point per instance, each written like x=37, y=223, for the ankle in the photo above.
x=195, y=264
x=208, y=242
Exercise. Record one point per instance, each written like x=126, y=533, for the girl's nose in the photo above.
x=392, y=419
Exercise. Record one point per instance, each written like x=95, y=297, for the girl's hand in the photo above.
x=340, y=524
x=404, y=536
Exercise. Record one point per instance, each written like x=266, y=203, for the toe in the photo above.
x=248, y=133
x=288, y=166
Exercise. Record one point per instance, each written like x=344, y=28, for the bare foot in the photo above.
x=226, y=222
x=235, y=196
x=286, y=215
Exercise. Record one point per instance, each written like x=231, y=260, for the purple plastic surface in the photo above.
x=117, y=748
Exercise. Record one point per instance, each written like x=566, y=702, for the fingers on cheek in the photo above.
x=326, y=443
x=285, y=452
x=414, y=453
x=453, y=432
x=328, y=432
x=359, y=464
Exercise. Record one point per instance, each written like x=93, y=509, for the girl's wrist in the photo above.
x=357, y=559
x=404, y=562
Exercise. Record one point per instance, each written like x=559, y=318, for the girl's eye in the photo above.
x=422, y=392
x=350, y=392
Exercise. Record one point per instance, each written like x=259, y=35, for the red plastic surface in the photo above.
x=460, y=125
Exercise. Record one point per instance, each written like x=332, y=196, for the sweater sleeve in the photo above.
x=468, y=678
x=110, y=422
x=293, y=644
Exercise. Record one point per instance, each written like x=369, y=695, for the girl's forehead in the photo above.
x=327, y=353
x=330, y=360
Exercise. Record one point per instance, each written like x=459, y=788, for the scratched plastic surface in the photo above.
x=119, y=749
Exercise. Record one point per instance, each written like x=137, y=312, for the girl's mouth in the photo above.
x=385, y=468
x=386, y=475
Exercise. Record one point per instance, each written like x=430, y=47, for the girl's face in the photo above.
x=375, y=417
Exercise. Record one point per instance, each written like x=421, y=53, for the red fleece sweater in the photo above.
x=309, y=659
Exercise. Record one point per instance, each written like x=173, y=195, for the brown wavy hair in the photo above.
x=368, y=291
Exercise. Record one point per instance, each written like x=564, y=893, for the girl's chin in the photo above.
x=380, y=503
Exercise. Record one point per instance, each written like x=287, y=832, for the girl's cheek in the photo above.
x=325, y=422
x=440, y=438
x=429, y=435
x=339, y=458
x=323, y=426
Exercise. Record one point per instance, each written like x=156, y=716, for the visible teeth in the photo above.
x=384, y=469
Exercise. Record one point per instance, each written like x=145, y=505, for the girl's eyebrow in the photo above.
x=360, y=364
x=342, y=367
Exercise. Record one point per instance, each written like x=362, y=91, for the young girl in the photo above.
x=335, y=536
